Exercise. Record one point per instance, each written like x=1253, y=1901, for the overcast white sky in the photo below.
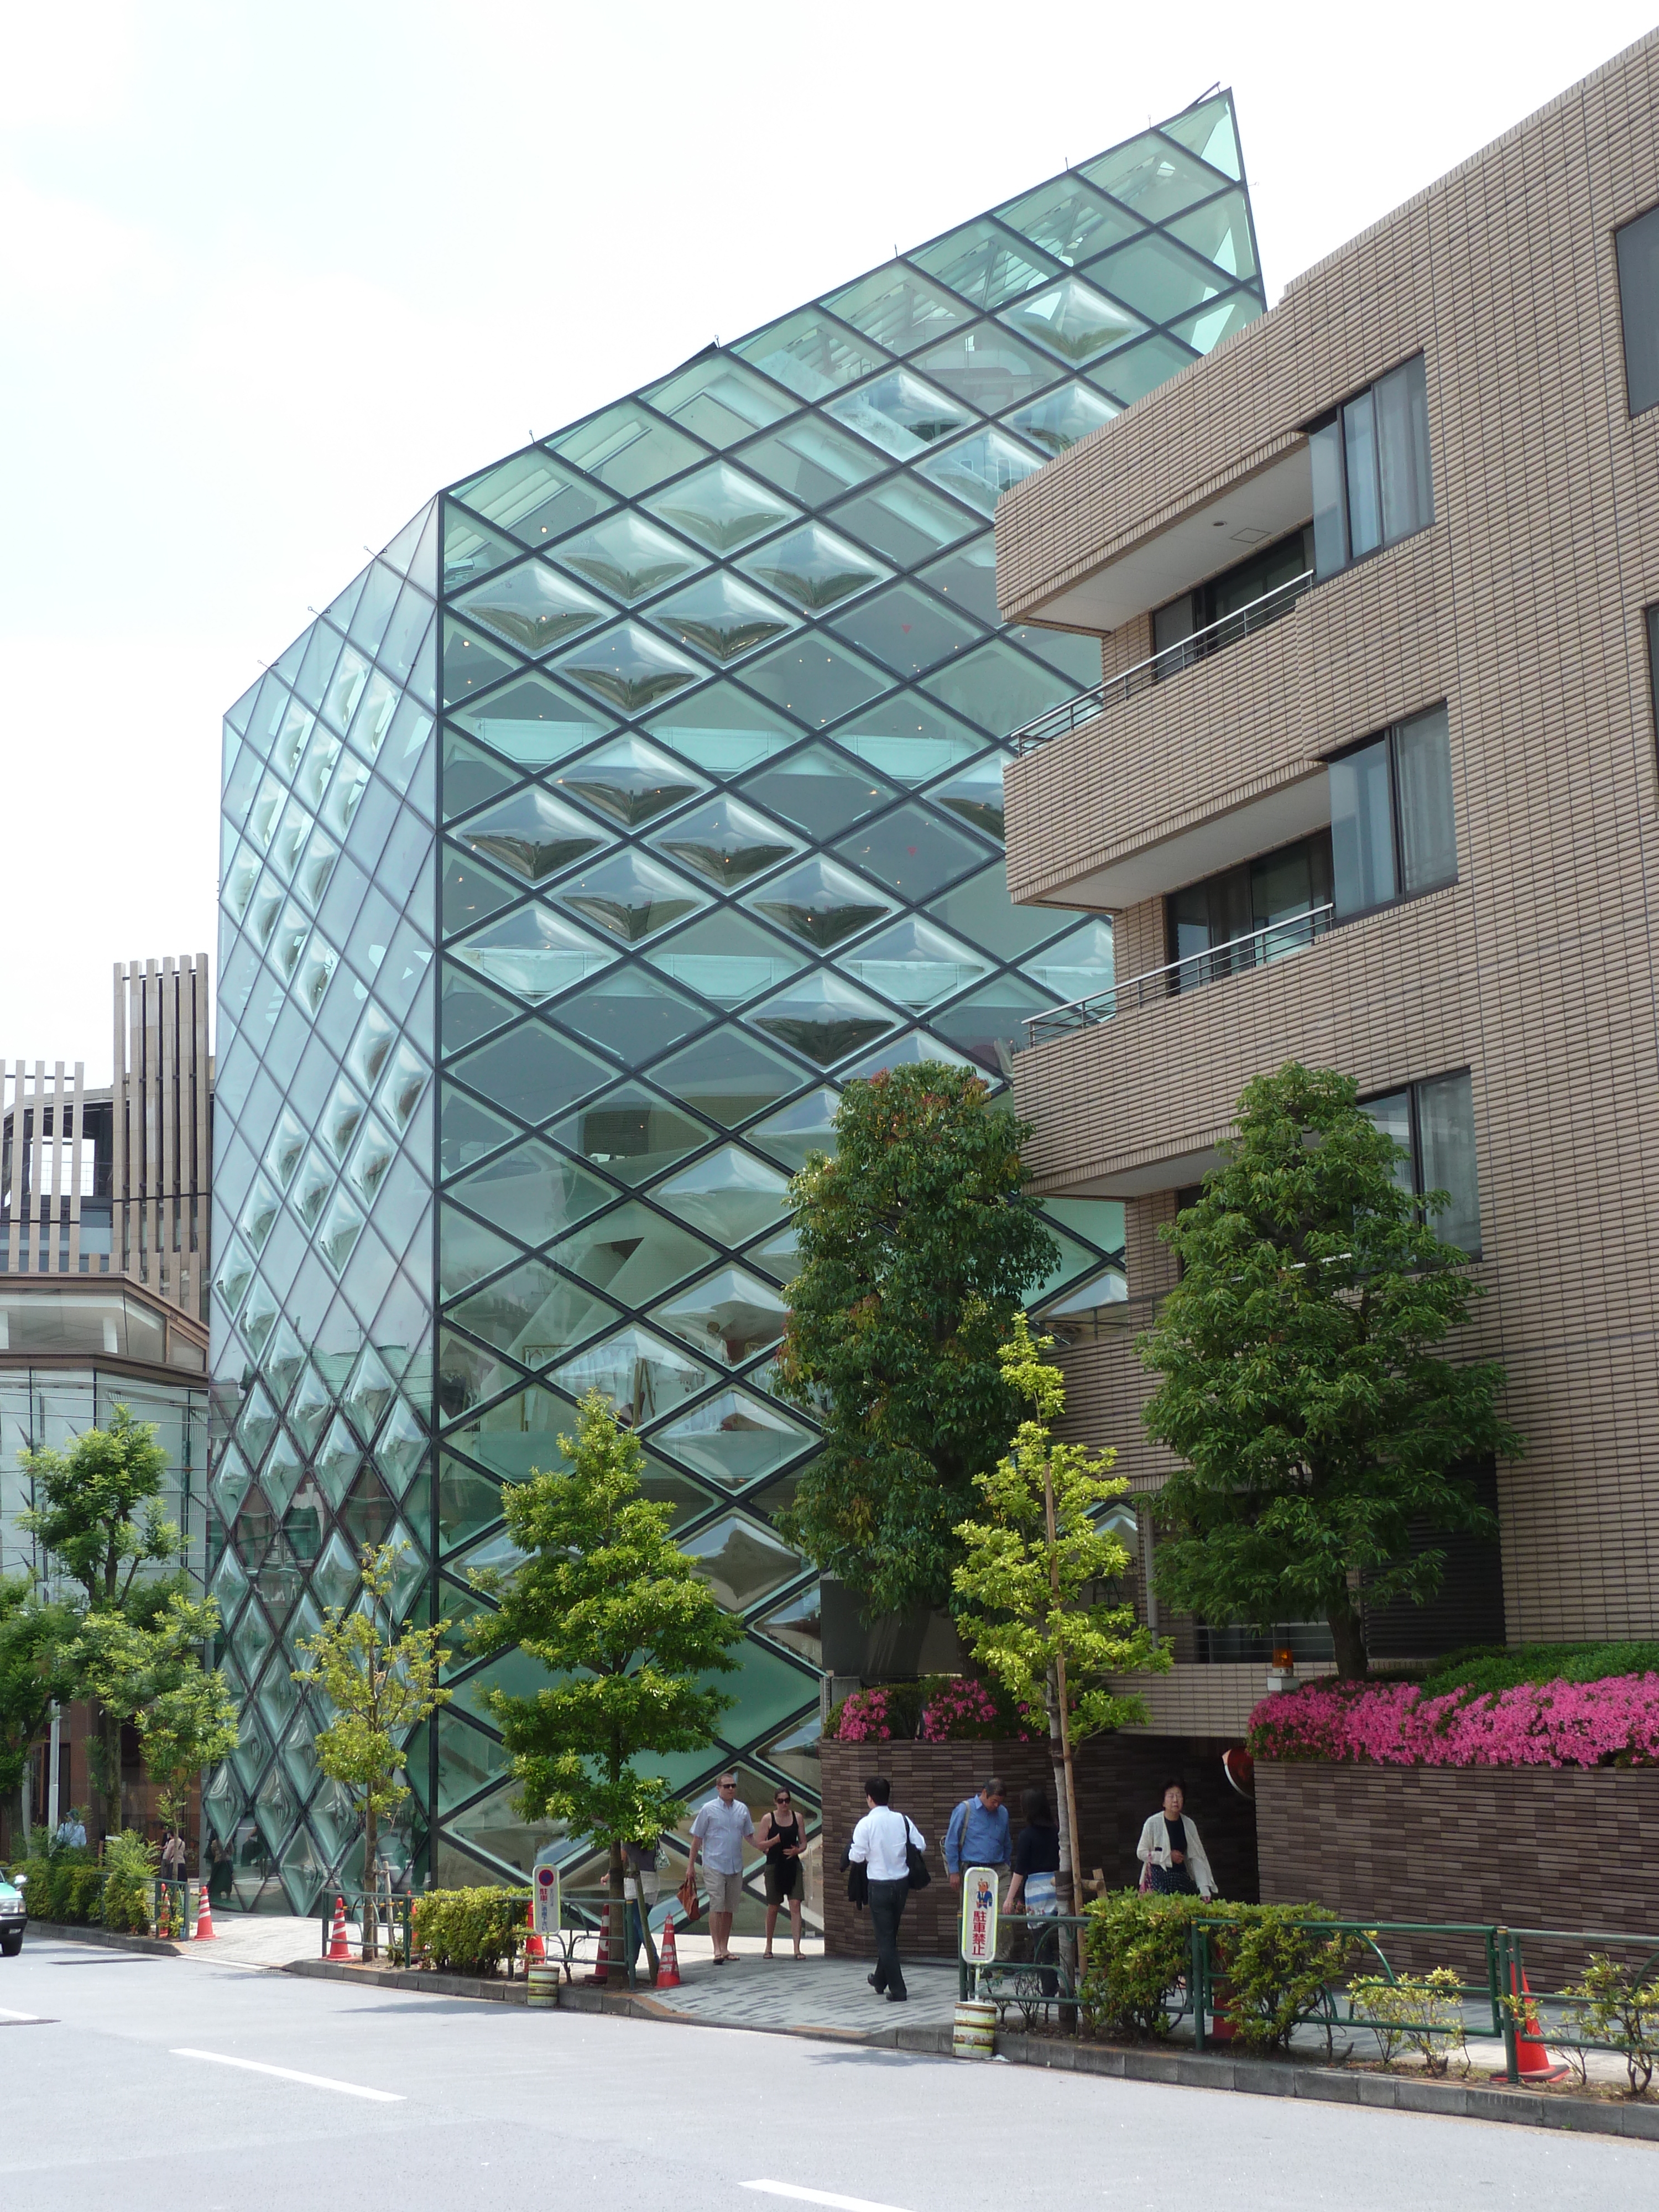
x=272, y=273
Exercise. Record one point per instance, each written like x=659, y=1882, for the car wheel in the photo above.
x=11, y=1945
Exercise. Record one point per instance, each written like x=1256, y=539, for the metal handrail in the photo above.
x=1255, y=949
x=1199, y=645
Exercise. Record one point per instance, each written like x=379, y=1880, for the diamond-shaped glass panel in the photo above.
x=633, y=1013
x=1069, y=219
x=822, y=1016
x=472, y=661
x=337, y=1462
x=532, y=1073
x=533, y=721
x=905, y=520
x=811, y=459
x=728, y=1193
x=532, y=1193
x=898, y=308
x=1080, y=964
x=916, y=964
x=728, y=1077
x=999, y=687
x=401, y=1448
x=639, y=1371
x=628, y=449
x=730, y=1315
x=631, y=895
x=810, y=353
x=821, y=904
x=988, y=368
x=726, y=842
x=630, y=782
x=1060, y=418
x=797, y=1623
x=1159, y=278
x=534, y=952
x=632, y=1254
x=814, y=567
x=913, y=850
x=981, y=468
x=806, y=1127
x=279, y=1478
x=630, y=557
x=631, y=1133
x=334, y=1575
x=900, y=413
x=227, y=1487
x=369, y=1391
x=1220, y=231
x=630, y=668
x=734, y=1439
x=1074, y=320
x=533, y=1314
x=1156, y=178
x=990, y=1026
x=533, y=607
x=726, y=958
x=907, y=628
x=723, y=617
x=742, y=1560
x=722, y=507
x=534, y=497
x=818, y=789
x=985, y=262
x=814, y=680
x=718, y=400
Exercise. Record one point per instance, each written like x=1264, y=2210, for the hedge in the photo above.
x=1607, y=1722
x=471, y=1931
x=938, y=1709
x=1272, y=1972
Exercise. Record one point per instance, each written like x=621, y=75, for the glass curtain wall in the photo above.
x=722, y=697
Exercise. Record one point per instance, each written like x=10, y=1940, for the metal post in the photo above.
x=53, y=1775
x=1196, y=1977
x=1510, y=1984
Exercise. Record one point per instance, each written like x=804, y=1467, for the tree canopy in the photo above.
x=1322, y=1436
x=626, y=1627
x=918, y=1247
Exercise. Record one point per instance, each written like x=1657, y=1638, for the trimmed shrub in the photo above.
x=1480, y=1666
x=1135, y=1949
x=1272, y=1973
x=1611, y=1721
x=130, y=1866
x=471, y=1931
x=938, y=1709
x=1422, y=2012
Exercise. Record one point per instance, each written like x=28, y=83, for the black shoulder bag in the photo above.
x=915, y=1864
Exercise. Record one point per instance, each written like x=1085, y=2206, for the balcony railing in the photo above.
x=1215, y=637
x=1255, y=949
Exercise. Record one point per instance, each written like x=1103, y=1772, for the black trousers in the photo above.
x=886, y=1910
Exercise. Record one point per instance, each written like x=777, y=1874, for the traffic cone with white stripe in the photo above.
x=338, y=1947
x=204, y=1919
x=533, y=1946
x=1532, y=2061
x=668, y=1969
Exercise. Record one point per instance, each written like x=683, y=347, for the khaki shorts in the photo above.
x=725, y=1890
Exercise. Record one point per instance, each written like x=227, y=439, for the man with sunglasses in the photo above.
x=718, y=1833
x=782, y=1836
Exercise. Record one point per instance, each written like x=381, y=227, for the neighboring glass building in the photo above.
x=647, y=787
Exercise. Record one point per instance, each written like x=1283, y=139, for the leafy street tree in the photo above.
x=1033, y=1594
x=379, y=1685
x=99, y=1521
x=1320, y=1430
x=33, y=1638
x=918, y=1248
x=627, y=1630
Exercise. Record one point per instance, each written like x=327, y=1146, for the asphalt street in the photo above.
x=166, y=2085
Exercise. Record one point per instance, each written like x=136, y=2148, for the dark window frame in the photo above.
x=1638, y=237
x=1389, y=734
x=1412, y=1088
x=1335, y=417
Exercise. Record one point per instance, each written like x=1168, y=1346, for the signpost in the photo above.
x=546, y=1897
x=979, y=1916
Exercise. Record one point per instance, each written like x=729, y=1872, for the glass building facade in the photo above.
x=644, y=788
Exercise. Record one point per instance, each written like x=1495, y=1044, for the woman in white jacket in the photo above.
x=1172, y=1858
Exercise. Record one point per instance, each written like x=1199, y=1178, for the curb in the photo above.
x=1249, y=2077
x=105, y=1939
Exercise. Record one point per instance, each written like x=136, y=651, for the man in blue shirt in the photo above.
x=978, y=1833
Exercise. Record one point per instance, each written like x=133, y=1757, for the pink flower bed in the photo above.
x=866, y=1718
x=965, y=1708
x=1535, y=1724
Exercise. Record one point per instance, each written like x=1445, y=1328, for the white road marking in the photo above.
x=820, y=2196
x=28, y=2018
x=288, y=2074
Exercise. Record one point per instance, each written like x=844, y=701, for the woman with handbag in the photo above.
x=1173, y=1860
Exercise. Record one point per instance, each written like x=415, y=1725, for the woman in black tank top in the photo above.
x=782, y=1837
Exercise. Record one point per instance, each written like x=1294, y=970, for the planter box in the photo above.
x=1120, y=1780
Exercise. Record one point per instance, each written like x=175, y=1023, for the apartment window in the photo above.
x=1241, y=585
x=1637, y=244
x=1392, y=831
x=1653, y=663
x=1251, y=914
x=1434, y=1122
x=1371, y=485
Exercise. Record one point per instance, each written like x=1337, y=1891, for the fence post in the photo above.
x=1511, y=1981
x=1196, y=1977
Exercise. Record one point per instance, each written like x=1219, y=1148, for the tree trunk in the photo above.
x=371, y=1845
x=615, y=1961
x=1063, y=1880
x=1348, y=1637
x=103, y=1767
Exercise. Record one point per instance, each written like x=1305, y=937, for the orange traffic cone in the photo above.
x=668, y=1969
x=204, y=1919
x=337, y=1945
x=164, y=1913
x=533, y=1946
x=602, y=1956
x=1532, y=2060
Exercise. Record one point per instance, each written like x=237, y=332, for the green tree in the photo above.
x=34, y=1673
x=1034, y=1596
x=628, y=1629
x=143, y=1663
x=917, y=1248
x=99, y=1520
x=1321, y=1430
x=381, y=1684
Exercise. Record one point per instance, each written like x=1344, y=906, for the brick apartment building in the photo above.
x=1369, y=782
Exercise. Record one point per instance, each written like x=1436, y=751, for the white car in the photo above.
x=14, y=1915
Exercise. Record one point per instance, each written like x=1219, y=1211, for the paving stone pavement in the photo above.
x=832, y=1993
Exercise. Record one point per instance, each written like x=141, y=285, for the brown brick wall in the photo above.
x=1523, y=607
x=1524, y=1847
x=1119, y=1781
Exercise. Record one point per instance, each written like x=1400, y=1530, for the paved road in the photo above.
x=115, y=2091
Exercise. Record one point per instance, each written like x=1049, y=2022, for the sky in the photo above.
x=270, y=274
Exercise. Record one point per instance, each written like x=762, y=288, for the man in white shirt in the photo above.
x=718, y=1833
x=878, y=1845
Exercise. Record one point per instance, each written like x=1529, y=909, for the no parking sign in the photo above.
x=546, y=1895
x=979, y=1916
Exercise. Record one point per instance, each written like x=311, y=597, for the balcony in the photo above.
x=1255, y=949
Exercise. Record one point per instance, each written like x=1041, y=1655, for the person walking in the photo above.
x=1173, y=1860
x=880, y=1845
x=977, y=1835
x=642, y=1886
x=782, y=1836
x=719, y=1831
x=174, y=1852
x=221, y=1872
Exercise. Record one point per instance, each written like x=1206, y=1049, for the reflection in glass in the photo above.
x=630, y=894
x=916, y=964
x=897, y=308
x=726, y=842
x=735, y=1437
x=741, y=1560
x=820, y=903
x=531, y=834
x=533, y=606
x=722, y=507
x=630, y=667
x=628, y=557
x=630, y=782
x=1074, y=320
x=723, y=617
x=728, y=1193
x=814, y=567
x=631, y=1133
x=730, y=1315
